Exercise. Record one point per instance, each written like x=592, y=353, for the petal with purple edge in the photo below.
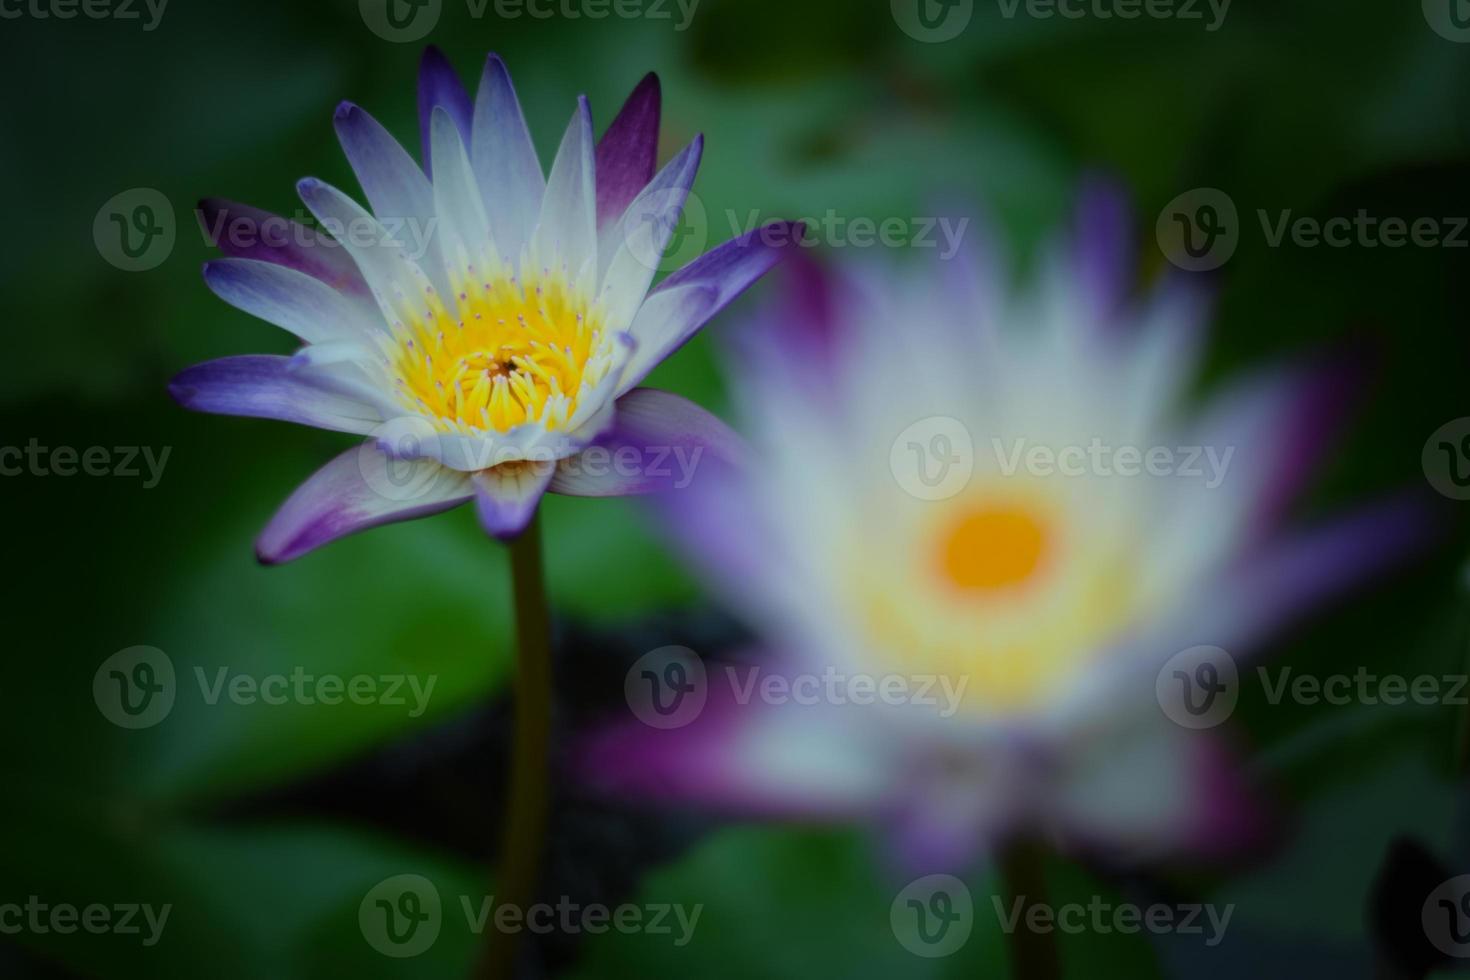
x=667, y=319
x=511, y=182
x=657, y=443
x=567, y=228
x=630, y=253
x=394, y=184
x=441, y=88
x=627, y=154
x=292, y=300
x=360, y=489
x=267, y=386
x=663, y=327
x=250, y=233
x=506, y=495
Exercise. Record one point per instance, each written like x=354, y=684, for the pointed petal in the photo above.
x=263, y=386
x=511, y=182
x=658, y=442
x=395, y=186
x=292, y=300
x=506, y=495
x=465, y=230
x=567, y=229
x=628, y=152
x=440, y=87
x=358, y=490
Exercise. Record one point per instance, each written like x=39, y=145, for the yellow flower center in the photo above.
x=513, y=350
x=992, y=547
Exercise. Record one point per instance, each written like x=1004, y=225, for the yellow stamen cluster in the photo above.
x=504, y=351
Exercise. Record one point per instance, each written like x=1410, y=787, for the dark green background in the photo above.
x=1321, y=107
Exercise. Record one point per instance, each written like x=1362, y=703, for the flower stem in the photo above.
x=524, y=838
x=1033, y=954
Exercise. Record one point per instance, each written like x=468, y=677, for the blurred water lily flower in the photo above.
x=485, y=324
x=976, y=527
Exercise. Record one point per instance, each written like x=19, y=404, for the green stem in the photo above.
x=524, y=838
x=1033, y=954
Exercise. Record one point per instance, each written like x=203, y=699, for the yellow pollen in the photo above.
x=992, y=547
x=505, y=351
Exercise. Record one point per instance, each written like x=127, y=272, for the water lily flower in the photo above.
x=976, y=524
x=485, y=324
